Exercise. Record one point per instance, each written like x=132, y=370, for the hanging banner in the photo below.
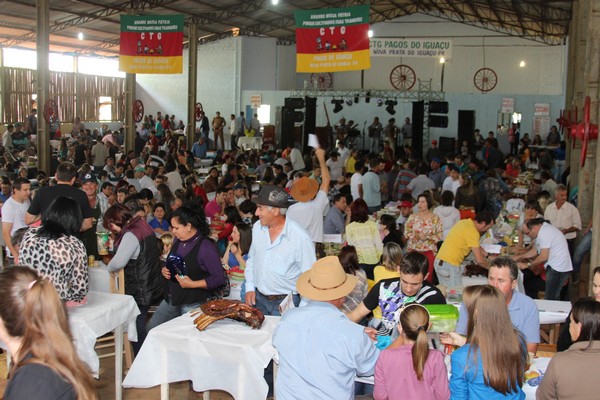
x=428, y=48
x=331, y=40
x=151, y=44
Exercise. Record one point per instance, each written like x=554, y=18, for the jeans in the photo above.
x=583, y=248
x=166, y=312
x=271, y=307
x=554, y=283
x=140, y=324
x=374, y=144
x=448, y=274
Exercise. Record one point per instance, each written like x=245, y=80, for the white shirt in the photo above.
x=309, y=215
x=447, y=185
x=565, y=217
x=344, y=154
x=551, y=238
x=174, y=180
x=233, y=127
x=297, y=160
x=335, y=168
x=355, y=181
x=14, y=212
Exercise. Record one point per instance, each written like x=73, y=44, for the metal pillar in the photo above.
x=592, y=76
x=129, y=99
x=192, y=83
x=42, y=82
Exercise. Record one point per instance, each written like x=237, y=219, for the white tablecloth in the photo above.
x=228, y=356
x=103, y=313
x=538, y=364
x=553, y=312
x=250, y=142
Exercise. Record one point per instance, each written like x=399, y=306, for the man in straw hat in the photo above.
x=281, y=250
x=320, y=350
x=312, y=202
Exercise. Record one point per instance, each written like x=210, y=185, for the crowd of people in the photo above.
x=261, y=218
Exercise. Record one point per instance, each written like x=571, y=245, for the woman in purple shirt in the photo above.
x=195, y=283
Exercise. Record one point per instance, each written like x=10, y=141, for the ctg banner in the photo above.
x=151, y=44
x=332, y=40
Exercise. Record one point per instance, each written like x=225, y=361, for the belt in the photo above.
x=273, y=297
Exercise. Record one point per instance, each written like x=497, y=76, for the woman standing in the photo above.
x=136, y=250
x=55, y=252
x=35, y=328
x=491, y=364
x=363, y=234
x=236, y=254
x=424, y=230
x=467, y=198
x=203, y=270
x=570, y=373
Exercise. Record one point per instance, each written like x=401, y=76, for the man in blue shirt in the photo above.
x=523, y=311
x=281, y=250
x=336, y=220
x=200, y=148
x=320, y=350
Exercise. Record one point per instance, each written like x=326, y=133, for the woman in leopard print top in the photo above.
x=56, y=253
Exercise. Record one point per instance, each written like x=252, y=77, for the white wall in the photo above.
x=231, y=70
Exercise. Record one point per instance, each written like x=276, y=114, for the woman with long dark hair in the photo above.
x=236, y=254
x=349, y=260
x=570, y=374
x=136, y=250
x=199, y=266
x=55, y=252
x=35, y=328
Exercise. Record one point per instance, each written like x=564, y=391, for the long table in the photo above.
x=228, y=356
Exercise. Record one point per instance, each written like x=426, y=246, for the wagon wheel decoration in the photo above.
x=321, y=80
x=403, y=77
x=50, y=111
x=198, y=111
x=485, y=79
x=138, y=110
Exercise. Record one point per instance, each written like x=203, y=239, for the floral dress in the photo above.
x=430, y=228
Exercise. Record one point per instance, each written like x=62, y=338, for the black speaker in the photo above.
x=438, y=107
x=438, y=121
x=294, y=102
x=466, y=128
x=418, y=112
x=287, y=126
x=310, y=118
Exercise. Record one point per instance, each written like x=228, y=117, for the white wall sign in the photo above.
x=255, y=100
x=541, y=109
x=428, y=48
x=508, y=105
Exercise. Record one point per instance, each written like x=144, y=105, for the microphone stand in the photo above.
x=363, y=135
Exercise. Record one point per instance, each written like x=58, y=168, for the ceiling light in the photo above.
x=379, y=102
x=274, y=2
x=442, y=60
x=338, y=105
x=370, y=33
x=80, y=36
x=349, y=102
x=522, y=63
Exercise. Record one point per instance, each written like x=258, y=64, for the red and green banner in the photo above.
x=151, y=44
x=332, y=40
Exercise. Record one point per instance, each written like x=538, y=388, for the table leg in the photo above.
x=119, y=362
x=206, y=395
x=164, y=391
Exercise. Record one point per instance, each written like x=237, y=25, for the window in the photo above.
x=264, y=114
x=100, y=66
x=105, y=108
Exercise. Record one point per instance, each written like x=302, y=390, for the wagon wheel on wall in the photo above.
x=485, y=79
x=403, y=77
x=322, y=80
x=198, y=111
x=50, y=111
x=138, y=110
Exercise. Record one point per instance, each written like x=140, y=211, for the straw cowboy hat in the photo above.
x=326, y=280
x=304, y=189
